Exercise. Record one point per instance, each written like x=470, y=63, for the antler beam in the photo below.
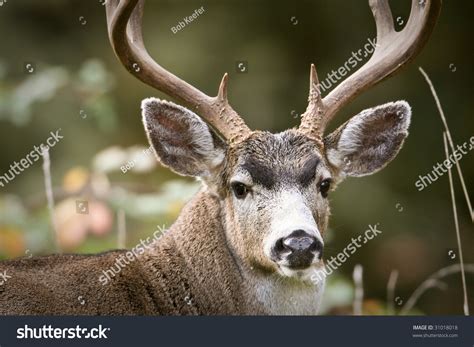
x=394, y=50
x=124, y=22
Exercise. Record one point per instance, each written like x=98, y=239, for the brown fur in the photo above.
x=57, y=284
x=173, y=277
x=211, y=261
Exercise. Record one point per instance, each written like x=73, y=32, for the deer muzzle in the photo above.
x=298, y=250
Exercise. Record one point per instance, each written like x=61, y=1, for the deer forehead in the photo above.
x=273, y=160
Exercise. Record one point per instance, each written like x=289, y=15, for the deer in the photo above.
x=251, y=241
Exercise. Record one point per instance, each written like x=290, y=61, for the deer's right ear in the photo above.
x=181, y=140
x=370, y=140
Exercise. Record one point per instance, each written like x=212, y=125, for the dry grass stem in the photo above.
x=359, y=290
x=121, y=230
x=451, y=143
x=49, y=193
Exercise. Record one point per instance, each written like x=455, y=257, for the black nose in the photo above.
x=299, y=249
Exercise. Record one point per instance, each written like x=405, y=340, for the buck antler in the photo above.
x=124, y=22
x=394, y=49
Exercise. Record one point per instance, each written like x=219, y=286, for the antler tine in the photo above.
x=383, y=18
x=311, y=118
x=124, y=21
x=394, y=50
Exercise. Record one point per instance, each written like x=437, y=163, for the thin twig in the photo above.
x=121, y=229
x=433, y=281
x=359, y=290
x=451, y=143
x=391, y=284
x=49, y=194
x=456, y=225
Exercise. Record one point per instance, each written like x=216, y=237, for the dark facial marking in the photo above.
x=308, y=172
x=260, y=173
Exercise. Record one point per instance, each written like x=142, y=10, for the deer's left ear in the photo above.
x=370, y=140
x=181, y=139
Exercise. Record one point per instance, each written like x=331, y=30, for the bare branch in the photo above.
x=433, y=282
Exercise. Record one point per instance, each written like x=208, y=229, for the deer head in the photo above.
x=273, y=188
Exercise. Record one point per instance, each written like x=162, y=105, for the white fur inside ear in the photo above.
x=352, y=135
x=334, y=157
x=180, y=134
x=370, y=139
x=200, y=135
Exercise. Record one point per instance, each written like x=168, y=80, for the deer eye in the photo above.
x=324, y=187
x=240, y=190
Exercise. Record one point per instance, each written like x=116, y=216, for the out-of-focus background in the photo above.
x=58, y=71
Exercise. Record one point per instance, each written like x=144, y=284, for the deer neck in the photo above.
x=194, y=270
x=191, y=267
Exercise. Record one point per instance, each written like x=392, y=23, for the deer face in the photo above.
x=273, y=188
x=276, y=189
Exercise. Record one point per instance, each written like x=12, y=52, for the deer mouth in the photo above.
x=307, y=274
x=300, y=261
